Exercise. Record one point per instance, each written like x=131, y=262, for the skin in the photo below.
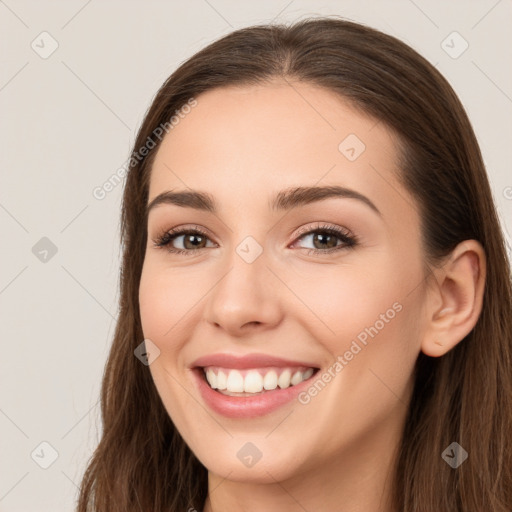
x=242, y=145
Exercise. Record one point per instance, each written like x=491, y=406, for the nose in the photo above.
x=246, y=298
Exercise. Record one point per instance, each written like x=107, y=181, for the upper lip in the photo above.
x=246, y=361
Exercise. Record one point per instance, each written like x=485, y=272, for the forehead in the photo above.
x=241, y=144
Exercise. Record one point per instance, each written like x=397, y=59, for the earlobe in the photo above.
x=455, y=300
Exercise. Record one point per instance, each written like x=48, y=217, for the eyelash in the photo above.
x=349, y=241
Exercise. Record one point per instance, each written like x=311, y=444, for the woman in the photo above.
x=315, y=287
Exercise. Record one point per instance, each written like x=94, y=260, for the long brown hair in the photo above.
x=142, y=462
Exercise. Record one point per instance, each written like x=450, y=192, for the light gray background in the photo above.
x=67, y=124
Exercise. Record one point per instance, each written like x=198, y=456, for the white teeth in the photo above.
x=255, y=380
x=296, y=378
x=270, y=380
x=284, y=379
x=235, y=382
x=221, y=380
x=211, y=378
x=307, y=374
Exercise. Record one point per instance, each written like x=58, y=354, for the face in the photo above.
x=305, y=310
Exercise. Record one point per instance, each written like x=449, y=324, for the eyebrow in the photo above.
x=284, y=200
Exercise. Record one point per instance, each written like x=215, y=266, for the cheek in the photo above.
x=164, y=302
x=370, y=325
x=368, y=319
x=155, y=299
x=166, y=297
x=354, y=302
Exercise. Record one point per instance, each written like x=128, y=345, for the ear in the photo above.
x=455, y=298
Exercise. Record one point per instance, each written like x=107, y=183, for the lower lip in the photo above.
x=247, y=406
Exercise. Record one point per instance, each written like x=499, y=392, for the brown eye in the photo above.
x=191, y=240
x=325, y=239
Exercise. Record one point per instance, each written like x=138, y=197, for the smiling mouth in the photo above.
x=254, y=381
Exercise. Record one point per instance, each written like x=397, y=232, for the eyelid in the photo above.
x=347, y=238
x=319, y=226
x=182, y=230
